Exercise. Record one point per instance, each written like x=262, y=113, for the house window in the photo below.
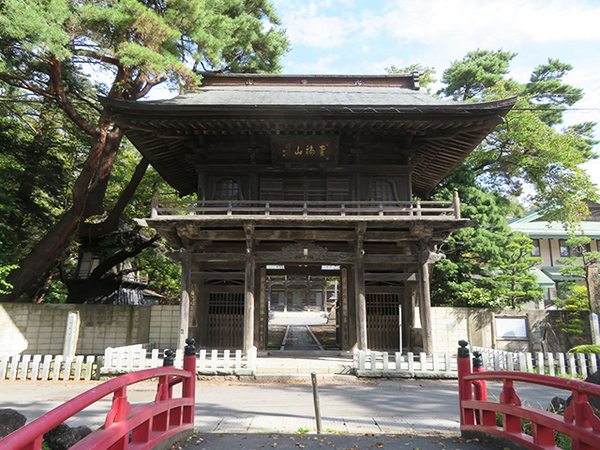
x=227, y=189
x=382, y=191
x=565, y=250
x=536, y=248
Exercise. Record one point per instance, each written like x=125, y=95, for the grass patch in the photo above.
x=276, y=334
x=326, y=336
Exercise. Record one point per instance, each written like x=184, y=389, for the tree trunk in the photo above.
x=97, y=190
x=111, y=223
x=49, y=249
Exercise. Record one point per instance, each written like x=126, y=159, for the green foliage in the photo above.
x=549, y=92
x=478, y=71
x=486, y=265
x=5, y=287
x=571, y=299
x=48, y=49
x=427, y=74
x=586, y=349
x=515, y=283
x=528, y=150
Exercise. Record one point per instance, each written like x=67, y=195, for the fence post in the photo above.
x=464, y=387
x=456, y=204
x=189, y=384
x=154, y=205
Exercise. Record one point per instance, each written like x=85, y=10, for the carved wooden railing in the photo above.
x=506, y=417
x=143, y=427
x=245, y=208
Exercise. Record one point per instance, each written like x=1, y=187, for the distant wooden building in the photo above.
x=306, y=176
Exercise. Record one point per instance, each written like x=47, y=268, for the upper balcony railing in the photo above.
x=313, y=209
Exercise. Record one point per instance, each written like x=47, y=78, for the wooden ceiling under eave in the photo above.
x=442, y=136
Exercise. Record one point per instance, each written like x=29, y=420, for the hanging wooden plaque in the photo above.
x=305, y=149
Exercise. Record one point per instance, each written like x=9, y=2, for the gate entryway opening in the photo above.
x=301, y=303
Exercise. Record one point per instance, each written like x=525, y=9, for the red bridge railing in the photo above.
x=142, y=427
x=478, y=415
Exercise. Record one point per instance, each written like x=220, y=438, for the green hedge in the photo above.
x=586, y=349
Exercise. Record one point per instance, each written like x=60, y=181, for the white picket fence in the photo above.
x=378, y=362
x=135, y=357
x=130, y=358
x=119, y=360
x=48, y=367
x=554, y=364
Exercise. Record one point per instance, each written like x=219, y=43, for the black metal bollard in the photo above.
x=169, y=359
x=190, y=349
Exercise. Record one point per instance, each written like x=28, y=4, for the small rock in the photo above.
x=10, y=420
x=62, y=436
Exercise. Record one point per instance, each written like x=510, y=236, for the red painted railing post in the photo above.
x=487, y=418
x=465, y=391
x=480, y=386
x=189, y=384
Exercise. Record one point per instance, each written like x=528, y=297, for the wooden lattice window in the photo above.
x=382, y=191
x=227, y=189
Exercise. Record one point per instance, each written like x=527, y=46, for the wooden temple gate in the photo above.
x=305, y=173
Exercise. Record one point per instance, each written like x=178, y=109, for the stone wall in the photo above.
x=478, y=327
x=40, y=329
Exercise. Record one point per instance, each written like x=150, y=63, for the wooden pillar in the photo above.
x=425, y=307
x=249, y=285
x=360, y=290
x=184, y=304
x=285, y=295
x=261, y=340
x=593, y=286
x=201, y=302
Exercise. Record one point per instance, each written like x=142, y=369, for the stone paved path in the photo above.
x=299, y=337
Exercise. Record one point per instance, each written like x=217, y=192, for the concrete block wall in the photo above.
x=164, y=326
x=450, y=325
x=40, y=329
x=477, y=326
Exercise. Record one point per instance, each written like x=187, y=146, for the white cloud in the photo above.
x=484, y=22
x=321, y=65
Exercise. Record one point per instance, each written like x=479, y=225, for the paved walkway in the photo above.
x=331, y=441
x=348, y=406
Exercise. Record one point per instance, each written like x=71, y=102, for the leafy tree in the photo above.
x=479, y=71
x=49, y=48
x=427, y=74
x=515, y=284
x=528, y=150
x=548, y=93
x=487, y=265
x=571, y=299
x=467, y=276
x=577, y=266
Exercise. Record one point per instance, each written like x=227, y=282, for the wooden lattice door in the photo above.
x=225, y=320
x=383, y=321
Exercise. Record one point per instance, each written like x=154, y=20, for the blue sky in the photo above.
x=365, y=37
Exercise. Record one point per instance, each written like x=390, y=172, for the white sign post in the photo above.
x=71, y=334
x=595, y=328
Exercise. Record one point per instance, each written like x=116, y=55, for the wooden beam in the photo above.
x=330, y=258
x=391, y=259
x=369, y=276
x=200, y=276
